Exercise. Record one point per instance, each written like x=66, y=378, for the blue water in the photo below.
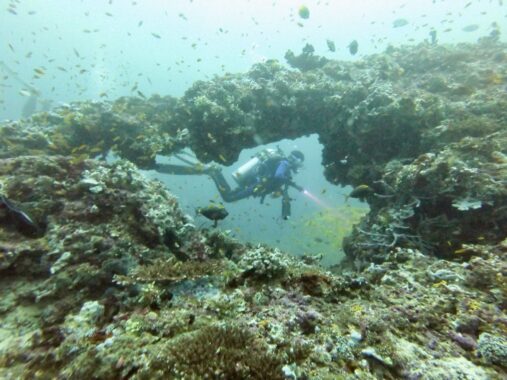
x=201, y=38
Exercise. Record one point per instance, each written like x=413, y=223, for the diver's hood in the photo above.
x=296, y=159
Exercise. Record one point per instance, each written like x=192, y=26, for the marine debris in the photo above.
x=121, y=284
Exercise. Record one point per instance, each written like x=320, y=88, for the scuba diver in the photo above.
x=268, y=172
x=34, y=96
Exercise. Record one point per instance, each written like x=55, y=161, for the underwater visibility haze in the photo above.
x=214, y=189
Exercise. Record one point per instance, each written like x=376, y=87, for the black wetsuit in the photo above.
x=272, y=176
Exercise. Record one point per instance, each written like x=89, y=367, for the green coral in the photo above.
x=493, y=348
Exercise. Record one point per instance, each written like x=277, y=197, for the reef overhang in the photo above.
x=409, y=123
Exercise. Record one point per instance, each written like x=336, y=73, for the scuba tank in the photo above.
x=247, y=172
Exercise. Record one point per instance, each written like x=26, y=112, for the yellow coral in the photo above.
x=495, y=78
x=356, y=308
x=58, y=142
x=264, y=324
x=439, y=284
x=68, y=119
x=474, y=305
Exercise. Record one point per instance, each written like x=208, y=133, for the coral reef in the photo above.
x=112, y=296
x=422, y=126
x=263, y=262
x=493, y=349
x=116, y=282
x=128, y=127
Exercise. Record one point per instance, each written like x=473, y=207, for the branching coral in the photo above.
x=393, y=228
x=169, y=271
x=217, y=351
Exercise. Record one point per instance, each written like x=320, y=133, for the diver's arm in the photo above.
x=282, y=172
x=295, y=186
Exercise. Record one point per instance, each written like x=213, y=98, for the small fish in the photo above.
x=109, y=14
x=139, y=24
x=212, y=139
x=20, y=219
x=39, y=71
x=353, y=47
x=96, y=150
x=25, y=93
x=470, y=28
x=213, y=212
x=141, y=94
x=331, y=46
x=156, y=35
x=304, y=12
x=400, y=22
x=80, y=148
x=361, y=192
x=182, y=16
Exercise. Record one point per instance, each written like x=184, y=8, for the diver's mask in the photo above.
x=296, y=159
